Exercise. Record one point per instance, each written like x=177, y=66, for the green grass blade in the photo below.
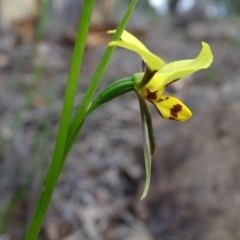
x=71, y=88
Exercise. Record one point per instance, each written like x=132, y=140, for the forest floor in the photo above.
x=195, y=190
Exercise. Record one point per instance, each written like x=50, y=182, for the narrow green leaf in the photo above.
x=115, y=89
x=55, y=167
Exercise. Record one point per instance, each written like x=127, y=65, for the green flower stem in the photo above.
x=87, y=100
x=55, y=166
x=115, y=89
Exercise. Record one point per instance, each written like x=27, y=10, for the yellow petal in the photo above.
x=179, y=69
x=130, y=42
x=128, y=37
x=172, y=108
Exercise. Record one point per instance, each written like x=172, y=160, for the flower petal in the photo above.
x=130, y=42
x=128, y=37
x=179, y=69
x=172, y=108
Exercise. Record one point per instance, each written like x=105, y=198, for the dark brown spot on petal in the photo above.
x=175, y=110
x=172, y=82
x=160, y=100
x=151, y=95
x=167, y=98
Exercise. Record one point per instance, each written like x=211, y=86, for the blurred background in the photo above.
x=195, y=188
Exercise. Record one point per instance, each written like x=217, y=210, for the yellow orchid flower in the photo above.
x=163, y=75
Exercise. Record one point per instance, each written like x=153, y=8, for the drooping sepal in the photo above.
x=149, y=144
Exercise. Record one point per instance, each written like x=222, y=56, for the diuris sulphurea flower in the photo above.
x=150, y=84
x=158, y=75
